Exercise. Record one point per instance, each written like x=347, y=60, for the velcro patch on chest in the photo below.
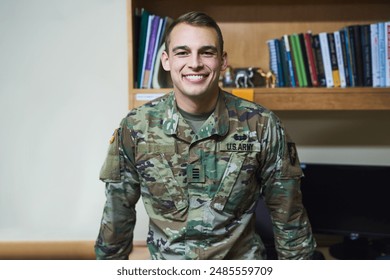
x=155, y=149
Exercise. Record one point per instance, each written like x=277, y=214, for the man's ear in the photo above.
x=224, y=61
x=165, y=61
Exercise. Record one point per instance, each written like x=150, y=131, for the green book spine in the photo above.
x=298, y=69
x=301, y=64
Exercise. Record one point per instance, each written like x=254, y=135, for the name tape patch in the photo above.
x=239, y=147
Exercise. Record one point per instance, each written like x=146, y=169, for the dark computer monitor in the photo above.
x=352, y=201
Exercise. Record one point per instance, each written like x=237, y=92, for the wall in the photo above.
x=361, y=137
x=63, y=90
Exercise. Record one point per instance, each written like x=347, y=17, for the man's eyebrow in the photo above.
x=203, y=48
x=211, y=47
x=180, y=48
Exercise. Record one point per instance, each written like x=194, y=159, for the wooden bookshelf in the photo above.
x=248, y=24
x=304, y=99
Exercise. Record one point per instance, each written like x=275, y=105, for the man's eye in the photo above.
x=208, y=54
x=181, y=53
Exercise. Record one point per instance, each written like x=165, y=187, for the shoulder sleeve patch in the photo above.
x=110, y=171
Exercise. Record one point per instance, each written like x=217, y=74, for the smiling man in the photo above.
x=201, y=158
x=195, y=59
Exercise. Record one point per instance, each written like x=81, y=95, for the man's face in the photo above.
x=194, y=60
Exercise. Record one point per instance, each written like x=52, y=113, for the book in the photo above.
x=346, y=56
x=311, y=62
x=284, y=62
x=382, y=53
x=280, y=80
x=160, y=77
x=340, y=58
x=354, y=34
x=155, y=50
x=333, y=60
x=154, y=22
x=316, y=45
x=136, y=42
x=349, y=36
x=301, y=63
x=294, y=59
x=326, y=58
x=297, y=60
x=289, y=61
x=141, y=45
x=305, y=59
x=273, y=61
x=365, y=39
x=374, y=39
x=145, y=51
x=387, y=53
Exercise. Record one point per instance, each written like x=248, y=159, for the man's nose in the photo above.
x=196, y=61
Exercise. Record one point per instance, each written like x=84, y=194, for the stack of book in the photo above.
x=354, y=56
x=149, y=44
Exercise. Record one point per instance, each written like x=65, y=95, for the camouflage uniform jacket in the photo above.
x=200, y=191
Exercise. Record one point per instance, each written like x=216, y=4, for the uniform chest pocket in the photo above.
x=237, y=187
x=161, y=192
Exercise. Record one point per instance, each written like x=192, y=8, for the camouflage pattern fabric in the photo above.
x=200, y=190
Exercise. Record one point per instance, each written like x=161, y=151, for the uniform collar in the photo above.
x=216, y=124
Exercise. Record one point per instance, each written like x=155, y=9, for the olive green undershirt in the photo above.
x=195, y=121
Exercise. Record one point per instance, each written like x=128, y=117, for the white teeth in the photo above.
x=194, y=77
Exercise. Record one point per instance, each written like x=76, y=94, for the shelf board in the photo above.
x=305, y=99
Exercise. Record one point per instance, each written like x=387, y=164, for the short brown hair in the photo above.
x=197, y=19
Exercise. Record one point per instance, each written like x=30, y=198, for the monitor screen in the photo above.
x=350, y=200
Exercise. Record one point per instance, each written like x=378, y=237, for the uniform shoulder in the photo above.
x=153, y=105
x=243, y=105
x=152, y=109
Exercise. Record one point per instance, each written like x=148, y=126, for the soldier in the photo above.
x=201, y=158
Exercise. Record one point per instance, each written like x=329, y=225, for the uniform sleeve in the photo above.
x=281, y=177
x=115, y=239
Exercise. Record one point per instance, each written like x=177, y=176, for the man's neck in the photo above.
x=197, y=105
